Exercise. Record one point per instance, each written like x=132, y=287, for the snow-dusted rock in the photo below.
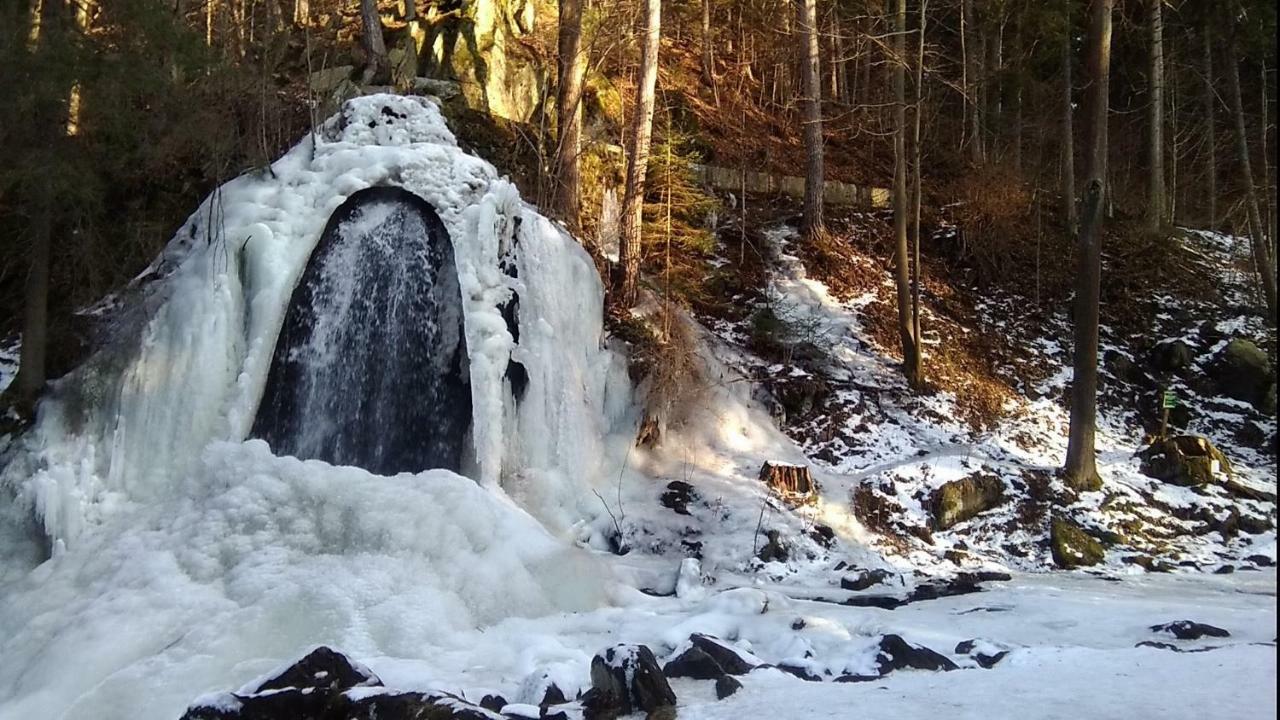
x=625, y=679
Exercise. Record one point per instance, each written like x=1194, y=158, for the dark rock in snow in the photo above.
x=981, y=576
x=678, y=496
x=798, y=671
x=493, y=703
x=726, y=685
x=898, y=654
x=405, y=706
x=884, y=602
x=694, y=663
x=864, y=579
x=1172, y=356
x=1242, y=371
x=773, y=550
x=974, y=649
x=1225, y=570
x=1072, y=547
x=725, y=656
x=962, y=499
x=1121, y=367
x=323, y=669
x=553, y=696
x=823, y=535
x=1189, y=630
x=625, y=679
x=1260, y=560
x=1253, y=524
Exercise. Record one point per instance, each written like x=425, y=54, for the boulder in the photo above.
x=1189, y=630
x=1120, y=366
x=404, y=706
x=727, y=685
x=726, y=657
x=898, y=654
x=1072, y=547
x=962, y=499
x=773, y=550
x=864, y=579
x=694, y=663
x=626, y=679
x=324, y=669
x=1172, y=356
x=678, y=496
x=985, y=653
x=1242, y=371
x=1186, y=460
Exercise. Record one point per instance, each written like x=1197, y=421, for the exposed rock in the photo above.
x=960, y=500
x=404, y=706
x=493, y=703
x=626, y=679
x=1121, y=366
x=726, y=685
x=897, y=654
x=694, y=663
x=801, y=672
x=864, y=579
x=773, y=549
x=1242, y=371
x=986, y=654
x=823, y=535
x=1260, y=560
x=324, y=669
x=1186, y=460
x=1172, y=356
x=1189, y=630
x=726, y=657
x=1072, y=547
x=678, y=496
x=792, y=483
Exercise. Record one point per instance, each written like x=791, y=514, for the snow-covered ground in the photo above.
x=150, y=554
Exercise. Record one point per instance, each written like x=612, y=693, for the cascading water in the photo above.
x=371, y=368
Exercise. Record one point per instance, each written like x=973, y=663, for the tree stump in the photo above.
x=792, y=483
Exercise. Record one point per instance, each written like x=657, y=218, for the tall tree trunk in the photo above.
x=1081, y=471
x=35, y=317
x=1257, y=232
x=1068, y=129
x=708, y=59
x=1268, y=190
x=812, y=224
x=1211, y=135
x=638, y=156
x=1156, y=202
x=571, y=64
x=901, y=205
x=1015, y=129
x=993, y=78
x=378, y=69
x=917, y=195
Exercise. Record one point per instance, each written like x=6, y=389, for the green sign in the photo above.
x=1168, y=400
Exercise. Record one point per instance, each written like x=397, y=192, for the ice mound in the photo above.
x=184, y=558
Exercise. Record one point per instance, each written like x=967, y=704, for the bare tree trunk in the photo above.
x=1257, y=232
x=1268, y=190
x=708, y=59
x=1015, y=131
x=1068, y=129
x=812, y=225
x=843, y=96
x=378, y=69
x=638, y=157
x=1211, y=135
x=571, y=64
x=901, y=206
x=917, y=194
x=1081, y=471
x=1156, y=202
x=35, y=318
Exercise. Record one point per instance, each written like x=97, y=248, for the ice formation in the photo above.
x=182, y=551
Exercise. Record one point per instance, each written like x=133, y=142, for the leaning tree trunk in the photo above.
x=1068, y=130
x=1257, y=231
x=377, y=69
x=812, y=224
x=638, y=155
x=1156, y=202
x=571, y=64
x=1211, y=137
x=902, y=269
x=1081, y=471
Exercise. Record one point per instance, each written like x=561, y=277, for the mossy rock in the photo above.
x=1072, y=547
x=963, y=499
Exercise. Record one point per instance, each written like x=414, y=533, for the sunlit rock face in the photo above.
x=371, y=368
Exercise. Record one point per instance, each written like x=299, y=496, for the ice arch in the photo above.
x=370, y=368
